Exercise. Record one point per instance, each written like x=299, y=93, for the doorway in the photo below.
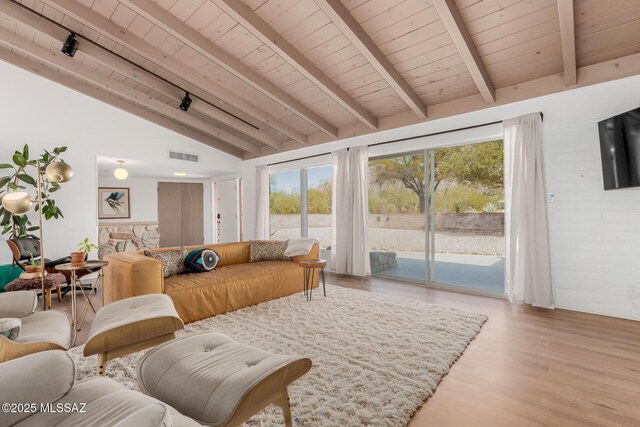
x=228, y=194
x=437, y=216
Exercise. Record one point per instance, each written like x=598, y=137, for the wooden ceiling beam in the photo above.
x=193, y=82
x=274, y=41
x=73, y=67
x=348, y=25
x=226, y=61
x=93, y=92
x=453, y=22
x=568, y=40
x=55, y=32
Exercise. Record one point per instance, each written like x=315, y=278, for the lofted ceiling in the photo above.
x=272, y=75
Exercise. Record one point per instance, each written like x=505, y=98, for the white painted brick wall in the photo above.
x=594, y=234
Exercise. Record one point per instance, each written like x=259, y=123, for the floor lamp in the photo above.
x=20, y=202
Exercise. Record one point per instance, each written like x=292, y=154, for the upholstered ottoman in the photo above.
x=131, y=325
x=217, y=381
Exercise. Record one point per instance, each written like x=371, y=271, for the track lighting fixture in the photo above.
x=186, y=102
x=70, y=45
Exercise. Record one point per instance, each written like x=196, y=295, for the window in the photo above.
x=300, y=205
x=284, y=205
x=319, y=189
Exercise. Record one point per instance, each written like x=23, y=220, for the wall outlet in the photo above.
x=551, y=197
x=633, y=293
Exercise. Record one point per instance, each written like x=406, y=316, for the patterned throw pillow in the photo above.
x=201, y=260
x=172, y=261
x=268, y=250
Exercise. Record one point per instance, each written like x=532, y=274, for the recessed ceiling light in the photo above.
x=179, y=174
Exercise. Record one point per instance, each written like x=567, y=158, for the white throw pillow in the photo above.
x=10, y=327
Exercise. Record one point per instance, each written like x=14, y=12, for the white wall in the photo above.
x=594, y=235
x=143, y=194
x=44, y=115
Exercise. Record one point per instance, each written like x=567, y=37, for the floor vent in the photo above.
x=183, y=156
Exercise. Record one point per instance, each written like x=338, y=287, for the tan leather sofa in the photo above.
x=234, y=284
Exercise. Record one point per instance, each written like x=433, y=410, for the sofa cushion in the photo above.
x=172, y=261
x=201, y=260
x=49, y=326
x=258, y=273
x=268, y=250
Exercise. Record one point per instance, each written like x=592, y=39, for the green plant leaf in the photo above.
x=25, y=151
x=19, y=159
x=4, y=181
x=27, y=178
x=6, y=166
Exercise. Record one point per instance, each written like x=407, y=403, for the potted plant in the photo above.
x=35, y=266
x=84, y=247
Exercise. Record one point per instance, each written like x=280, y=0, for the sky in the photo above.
x=289, y=181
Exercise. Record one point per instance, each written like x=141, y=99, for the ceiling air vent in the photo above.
x=183, y=156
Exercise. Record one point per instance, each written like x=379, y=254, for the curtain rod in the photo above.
x=400, y=140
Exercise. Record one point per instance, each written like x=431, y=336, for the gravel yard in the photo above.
x=402, y=240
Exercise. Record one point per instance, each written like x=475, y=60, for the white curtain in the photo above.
x=261, y=226
x=349, y=248
x=527, y=272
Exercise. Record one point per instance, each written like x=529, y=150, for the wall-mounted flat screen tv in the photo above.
x=620, y=150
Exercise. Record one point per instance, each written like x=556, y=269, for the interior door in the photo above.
x=170, y=213
x=192, y=214
x=228, y=210
x=180, y=213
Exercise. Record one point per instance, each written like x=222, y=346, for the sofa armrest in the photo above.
x=18, y=303
x=314, y=253
x=131, y=274
x=43, y=377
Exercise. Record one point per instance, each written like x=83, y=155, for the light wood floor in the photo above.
x=527, y=367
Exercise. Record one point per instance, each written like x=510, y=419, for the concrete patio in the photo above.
x=480, y=272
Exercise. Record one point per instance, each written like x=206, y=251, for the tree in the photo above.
x=476, y=165
x=409, y=170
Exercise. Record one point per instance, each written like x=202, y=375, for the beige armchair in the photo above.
x=46, y=382
x=24, y=331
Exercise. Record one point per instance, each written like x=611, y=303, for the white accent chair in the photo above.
x=48, y=378
x=24, y=331
x=217, y=381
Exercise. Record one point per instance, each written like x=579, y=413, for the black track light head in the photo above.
x=186, y=102
x=70, y=45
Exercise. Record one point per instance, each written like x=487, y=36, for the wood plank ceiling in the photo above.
x=273, y=75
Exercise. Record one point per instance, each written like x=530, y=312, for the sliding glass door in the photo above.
x=437, y=216
x=397, y=212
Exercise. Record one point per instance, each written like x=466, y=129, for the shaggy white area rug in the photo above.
x=376, y=359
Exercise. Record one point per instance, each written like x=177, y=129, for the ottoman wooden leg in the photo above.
x=48, y=297
x=286, y=408
x=59, y=292
x=102, y=363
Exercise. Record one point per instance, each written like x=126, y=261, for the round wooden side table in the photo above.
x=310, y=267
